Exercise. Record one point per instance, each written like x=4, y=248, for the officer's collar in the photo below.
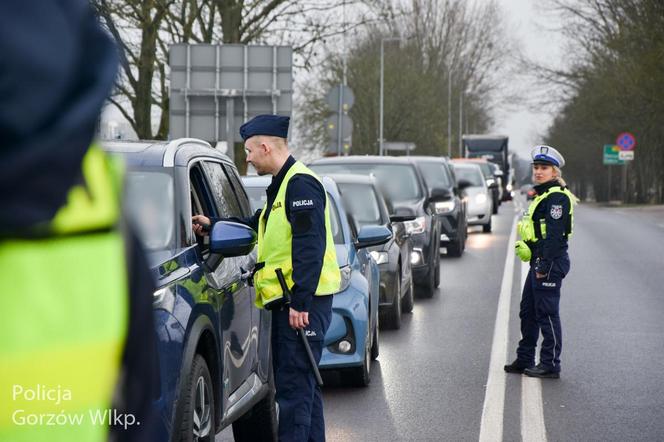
x=279, y=178
x=544, y=187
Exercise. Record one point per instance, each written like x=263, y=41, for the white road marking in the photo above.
x=533, y=428
x=532, y=410
x=491, y=428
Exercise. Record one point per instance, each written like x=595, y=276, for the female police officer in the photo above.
x=544, y=231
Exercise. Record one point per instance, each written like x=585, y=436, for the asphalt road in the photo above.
x=430, y=380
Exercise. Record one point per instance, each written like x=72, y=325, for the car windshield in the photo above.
x=398, y=181
x=435, y=175
x=335, y=223
x=469, y=173
x=487, y=171
x=257, y=197
x=362, y=203
x=150, y=207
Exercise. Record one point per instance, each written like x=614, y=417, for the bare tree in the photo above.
x=439, y=40
x=144, y=29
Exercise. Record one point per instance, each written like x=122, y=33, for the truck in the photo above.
x=494, y=148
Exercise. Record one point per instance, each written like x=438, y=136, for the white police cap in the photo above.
x=547, y=155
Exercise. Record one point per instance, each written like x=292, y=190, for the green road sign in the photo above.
x=612, y=155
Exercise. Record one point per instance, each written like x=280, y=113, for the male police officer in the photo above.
x=544, y=231
x=76, y=334
x=294, y=235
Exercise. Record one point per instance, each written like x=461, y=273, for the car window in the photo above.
x=150, y=206
x=202, y=202
x=257, y=197
x=239, y=190
x=362, y=203
x=398, y=181
x=471, y=174
x=435, y=175
x=335, y=223
x=222, y=190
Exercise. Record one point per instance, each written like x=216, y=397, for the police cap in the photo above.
x=547, y=155
x=272, y=125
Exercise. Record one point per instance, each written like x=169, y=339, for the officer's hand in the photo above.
x=540, y=275
x=298, y=319
x=199, y=224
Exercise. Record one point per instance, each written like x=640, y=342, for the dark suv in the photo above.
x=402, y=182
x=451, y=212
x=213, y=343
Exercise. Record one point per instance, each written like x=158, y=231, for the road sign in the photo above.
x=215, y=88
x=626, y=141
x=612, y=155
x=332, y=124
x=626, y=155
x=340, y=98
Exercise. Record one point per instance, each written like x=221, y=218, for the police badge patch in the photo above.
x=556, y=211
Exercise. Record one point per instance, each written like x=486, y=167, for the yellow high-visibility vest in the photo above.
x=64, y=316
x=526, y=226
x=275, y=248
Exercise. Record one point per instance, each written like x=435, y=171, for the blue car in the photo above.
x=213, y=344
x=351, y=341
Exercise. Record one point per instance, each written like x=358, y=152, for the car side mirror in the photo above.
x=372, y=236
x=439, y=194
x=464, y=184
x=231, y=239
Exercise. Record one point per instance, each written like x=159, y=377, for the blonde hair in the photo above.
x=562, y=182
x=559, y=176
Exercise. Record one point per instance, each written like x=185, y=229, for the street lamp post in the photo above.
x=382, y=69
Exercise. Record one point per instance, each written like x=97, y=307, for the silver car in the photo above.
x=480, y=203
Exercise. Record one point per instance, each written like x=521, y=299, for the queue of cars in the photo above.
x=390, y=217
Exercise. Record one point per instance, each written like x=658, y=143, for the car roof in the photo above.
x=363, y=159
x=429, y=158
x=262, y=181
x=172, y=153
x=256, y=180
x=471, y=160
x=347, y=178
x=466, y=165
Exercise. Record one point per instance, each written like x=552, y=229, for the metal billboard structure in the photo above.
x=215, y=88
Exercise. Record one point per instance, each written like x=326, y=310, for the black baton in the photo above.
x=305, y=342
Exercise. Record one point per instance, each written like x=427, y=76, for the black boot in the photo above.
x=516, y=367
x=541, y=372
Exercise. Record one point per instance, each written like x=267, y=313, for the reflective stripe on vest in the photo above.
x=526, y=226
x=64, y=318
x=275, y=248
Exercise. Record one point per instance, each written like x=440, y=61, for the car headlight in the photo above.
x=480, y=198
x=509, y=187
x=379, y=257
x=444, y=206
x=418, y=225
x=345, y=277
x=416, y=256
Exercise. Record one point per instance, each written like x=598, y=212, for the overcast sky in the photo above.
x=531, y=25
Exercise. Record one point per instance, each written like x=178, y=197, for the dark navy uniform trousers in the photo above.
x=299, y=397
x=539, y=312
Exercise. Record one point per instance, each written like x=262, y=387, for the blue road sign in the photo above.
x=626, y=141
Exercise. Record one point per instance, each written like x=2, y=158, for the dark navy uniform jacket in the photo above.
x=554, y=210
x=308, y=227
